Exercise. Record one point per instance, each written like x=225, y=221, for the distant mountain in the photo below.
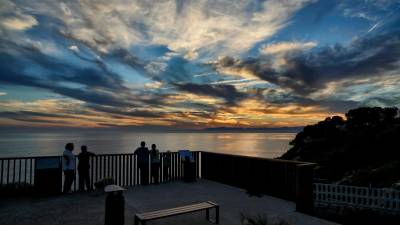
x=254, y=129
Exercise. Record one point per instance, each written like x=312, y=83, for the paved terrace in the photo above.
x=88, y=208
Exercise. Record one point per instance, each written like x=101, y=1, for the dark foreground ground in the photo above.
x=88, y=208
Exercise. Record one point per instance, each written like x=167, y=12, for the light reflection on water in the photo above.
x=268, y=145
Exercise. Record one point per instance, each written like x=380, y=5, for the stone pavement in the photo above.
x=88, y=208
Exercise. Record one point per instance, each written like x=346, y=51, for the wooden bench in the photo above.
x=143, y=217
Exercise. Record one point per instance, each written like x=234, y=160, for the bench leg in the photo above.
x=136, y=221
x=208, y=214
x=217, y=214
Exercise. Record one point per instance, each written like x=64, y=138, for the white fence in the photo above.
x=384, y=199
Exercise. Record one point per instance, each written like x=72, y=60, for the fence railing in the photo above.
x=384, y=199
x=17, y=170
x=122, y=168
x=291, y=180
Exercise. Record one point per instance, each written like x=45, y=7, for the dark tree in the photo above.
x=362, y=149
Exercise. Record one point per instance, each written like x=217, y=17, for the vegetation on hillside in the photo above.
x=362, y=149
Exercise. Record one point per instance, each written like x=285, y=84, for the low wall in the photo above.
x=291, y=180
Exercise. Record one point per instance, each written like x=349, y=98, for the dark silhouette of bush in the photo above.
x=259, y=220
x=360, y=150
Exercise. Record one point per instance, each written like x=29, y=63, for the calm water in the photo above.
x=269, y=145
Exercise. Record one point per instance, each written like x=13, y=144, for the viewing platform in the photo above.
x=88, y=208
x=285, y=187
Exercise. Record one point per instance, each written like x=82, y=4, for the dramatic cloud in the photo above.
x=305, y=73
x=194, y=63
x=100, y=85
x=227, y=92
x=284, y=47
x=130, y=113
x=20, y=22
x=14, y=19
x=183, y=26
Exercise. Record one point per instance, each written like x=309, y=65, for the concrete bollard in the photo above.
x=115, y=205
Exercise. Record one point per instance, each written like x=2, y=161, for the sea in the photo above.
x=49, y=143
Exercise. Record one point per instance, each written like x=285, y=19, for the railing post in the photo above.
x=304, y=187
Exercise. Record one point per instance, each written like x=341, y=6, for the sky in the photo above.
x=195, y=64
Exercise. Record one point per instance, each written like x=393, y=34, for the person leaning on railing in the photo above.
x=68, y=167
x=155, y=163
x=83, y=168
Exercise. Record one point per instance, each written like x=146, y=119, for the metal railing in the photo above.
x=291, y=180
x=385, y=199
x=17, y=170
x=122, y=168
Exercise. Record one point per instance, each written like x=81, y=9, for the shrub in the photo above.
x=259, y=220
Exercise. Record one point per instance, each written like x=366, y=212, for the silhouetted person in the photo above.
x=142, y=154
x=68, y=167
x=187, y=159
x=189, y=169
x=155, y=163
x=166, y=157
x=83, y=168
